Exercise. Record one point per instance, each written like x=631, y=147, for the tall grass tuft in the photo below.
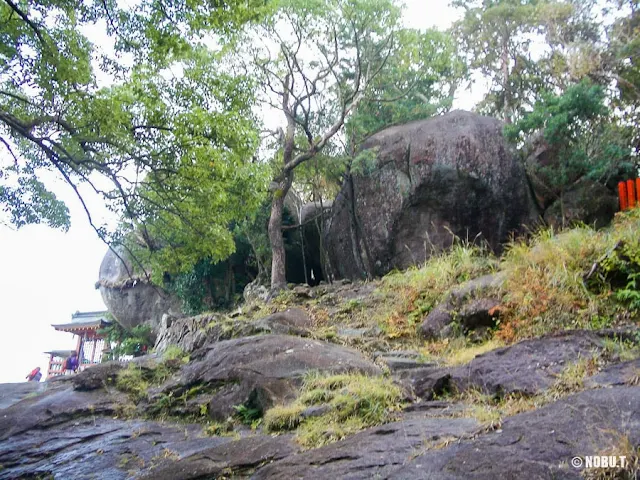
x=345, y=404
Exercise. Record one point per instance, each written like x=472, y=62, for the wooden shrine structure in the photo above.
x=90, y=344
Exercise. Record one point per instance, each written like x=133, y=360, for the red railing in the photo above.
x=629, y=194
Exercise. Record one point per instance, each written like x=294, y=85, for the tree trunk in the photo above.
x=278, y=272
x=505, y=78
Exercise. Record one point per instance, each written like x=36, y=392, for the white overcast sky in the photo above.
x=46, y=275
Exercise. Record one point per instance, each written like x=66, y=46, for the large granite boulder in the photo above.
x=133, y=300
x=433, y=179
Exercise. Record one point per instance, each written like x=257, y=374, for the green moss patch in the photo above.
x=329, y=408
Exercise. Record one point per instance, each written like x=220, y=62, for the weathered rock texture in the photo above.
x=66, y=433
x=262, y=370
x=471, y=305
x=375, y=453
x=538, y=444
x=12, y=393
x=83, y=427
x=435, y=178
x=528, y=367
x=588, y=202
x=191, y=333
x=131, y=300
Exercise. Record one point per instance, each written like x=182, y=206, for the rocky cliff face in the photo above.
x=435, y=178
x=132, y=300
x=95, y=425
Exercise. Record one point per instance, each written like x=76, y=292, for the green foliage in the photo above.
x=621, y=266
x=352, y=402
x=549, y=287
x=131, y=380
x=585, y=143
x=174, y=352
x=418, y=81
x=218, y=429
x=30, y=202
x=135, y=341
x=498, y=38
x=247, y=414
x=169, y=154
x=412, y=294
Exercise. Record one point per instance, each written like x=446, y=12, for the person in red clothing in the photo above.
x=35, y=375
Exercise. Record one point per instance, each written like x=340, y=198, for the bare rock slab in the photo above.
x=539, y=444
x=374, y=453
x=264, y=369
x=527, y=367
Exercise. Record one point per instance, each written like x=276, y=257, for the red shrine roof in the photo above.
x=84, y=321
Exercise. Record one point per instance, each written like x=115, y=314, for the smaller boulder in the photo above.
x=97, y=376
x=588, y=202
x=293, y=321
x=187, y=333
x=255, y=292
x=262, y=370
x=471, y=305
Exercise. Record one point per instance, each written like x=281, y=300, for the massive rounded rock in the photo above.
x=133, y=300
x=433, y=179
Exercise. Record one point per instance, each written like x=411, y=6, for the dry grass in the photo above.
x=546, y=288
x=490, y=410
x=410, y=295
x=622, y=446
x=459, y=356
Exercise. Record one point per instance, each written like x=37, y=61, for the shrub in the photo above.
x=579, y=278
x=412, y=294
x=131, y=380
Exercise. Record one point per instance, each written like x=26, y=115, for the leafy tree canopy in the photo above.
x=168, y=152
x=588, y=143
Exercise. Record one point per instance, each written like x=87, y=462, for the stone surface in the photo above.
x=374, y=453
x=292, y=321
x=187, y=333
x=131, y=300
x=255, y=292
x=65, y=433
x=401, y=359
x=452, y=173
x=12, y=393
x=238, y=458
x=539, y=444
x=191, y=333
x=625, y=373
x=96, y=377
x=526, y=367
x=262, y=370
x=588, y=202
x=533, y=445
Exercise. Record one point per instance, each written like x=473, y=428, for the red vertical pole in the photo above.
x=631, y=193
x=622, y=195
x=637, y=192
